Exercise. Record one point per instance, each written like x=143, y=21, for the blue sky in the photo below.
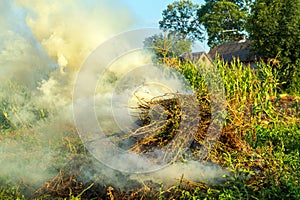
x=148, y=13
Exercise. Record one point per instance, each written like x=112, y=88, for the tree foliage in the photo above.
x=274, y=28
x=223, y=20
x=168, y=45
x=180, y=18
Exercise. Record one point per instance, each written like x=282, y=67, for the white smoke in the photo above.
x=42, y=46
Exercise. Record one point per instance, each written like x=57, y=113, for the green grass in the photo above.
x=10, y=193
x=264, y=159
x=272, y=172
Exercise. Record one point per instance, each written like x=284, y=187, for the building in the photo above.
x=236, y=49
x=202, y=57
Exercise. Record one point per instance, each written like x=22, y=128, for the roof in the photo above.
x=194, y=56
x=238, y=49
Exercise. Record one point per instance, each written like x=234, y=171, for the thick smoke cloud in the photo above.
x=42, y=46
x=21, y=57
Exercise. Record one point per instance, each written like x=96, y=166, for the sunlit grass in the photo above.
x=259, y=144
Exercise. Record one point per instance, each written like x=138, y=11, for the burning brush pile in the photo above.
x=176, y=126
x=172, y=124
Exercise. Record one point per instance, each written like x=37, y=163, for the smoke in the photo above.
x=192, y=171
x=21, y=56
x=42, y=46
x=69, y=31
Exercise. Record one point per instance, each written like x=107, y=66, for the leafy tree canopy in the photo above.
x=181, y=18
x=224, y=20
x=168, y=45
x=274, y=28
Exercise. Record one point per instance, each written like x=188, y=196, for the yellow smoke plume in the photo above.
x=69, y=30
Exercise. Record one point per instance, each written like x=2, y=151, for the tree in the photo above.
x=274, y=28
x=180, y=18
x=168, y=45
x=223, y=20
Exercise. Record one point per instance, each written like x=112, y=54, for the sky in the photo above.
x=149, y=12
